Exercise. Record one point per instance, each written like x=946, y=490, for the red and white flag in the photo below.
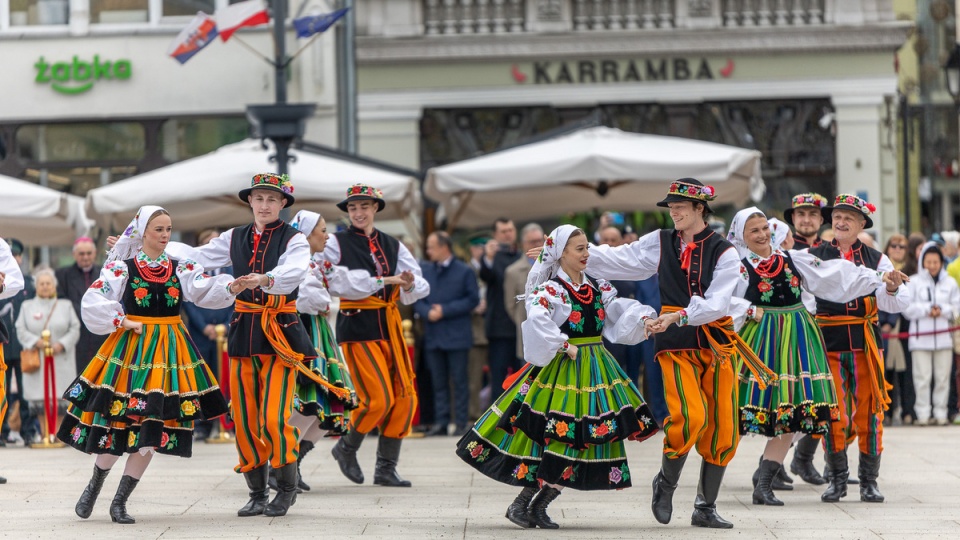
x=236, y=16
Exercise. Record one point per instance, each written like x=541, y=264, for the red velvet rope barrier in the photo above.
x=50, y=394
x=905, y=335
x=225, y=424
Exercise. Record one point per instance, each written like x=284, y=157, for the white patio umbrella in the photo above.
x=40, y=216
x=202, y=191
x=597, y=167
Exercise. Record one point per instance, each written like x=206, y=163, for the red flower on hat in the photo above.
x=691, y=191
x=871, y=207
x=850, y=200
x=708, y=191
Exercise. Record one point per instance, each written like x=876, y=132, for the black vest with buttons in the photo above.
x=849, y=337
x=246, y=336
x=678, y=286
x=378, y=255
x=143, y=298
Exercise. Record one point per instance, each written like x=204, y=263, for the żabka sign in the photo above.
x=77, y=77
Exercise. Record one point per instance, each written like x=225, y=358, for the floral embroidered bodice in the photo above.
x=774, y=282
x=587, y=314
x=152, y=293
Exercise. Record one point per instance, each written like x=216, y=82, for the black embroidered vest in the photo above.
x=246, y=336
x=678, y=286
x=377, y=254
x=780, y=290
x=143, y=298
x=850, y=337
x=586, y=318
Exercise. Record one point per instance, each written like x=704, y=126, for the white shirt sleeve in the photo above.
x=214, y=254
x=547, y=308
x=635, y=261
x=624, y=317
x=715, y=303
x=290, y=269
x=836, y=280
x=12, y=275
x=891, y=303
x=421, y=288
x=210, y=292
x=350, y=284
x=100, y=306
x=313, y=298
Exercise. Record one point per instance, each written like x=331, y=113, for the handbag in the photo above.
x=30, y=358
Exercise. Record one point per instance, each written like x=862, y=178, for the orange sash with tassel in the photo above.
x=394, y=333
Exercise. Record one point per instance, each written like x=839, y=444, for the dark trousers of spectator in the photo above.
x=28, y=423
x=503, y=356
x=953, y=402
x=446, y=368
x=653, y=387
x=908, y=393
x=475, y=366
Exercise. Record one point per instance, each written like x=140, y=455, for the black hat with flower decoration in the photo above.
x=689, y=189
x=808, y=200
x=852, y=203
x=275, y=182
x=363, y=192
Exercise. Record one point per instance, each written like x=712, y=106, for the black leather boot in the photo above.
x=664, y=484
x=763, y=493
x=779, y=482
x=305, y=448
x=705, y=507
x=118, y=508
x=388, y=454
x=802, y=464
x=868, y=471
x=89, y=496
x=259, y=492
x=851, y=481
x=837, y=461
x=538, y=508
x=272, y=478
x=345, y=452
x=518, y=512
x=287, y=494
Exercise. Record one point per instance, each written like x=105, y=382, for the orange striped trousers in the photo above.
x=854, y=383
x=261, y=402
x=379, y=390
x=702, y=401
x=3, y=385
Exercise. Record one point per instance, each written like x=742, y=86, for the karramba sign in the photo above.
x=78, y=76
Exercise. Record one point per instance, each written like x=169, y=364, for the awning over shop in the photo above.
x=202, y=192
x=40, y=216
x=596, y=167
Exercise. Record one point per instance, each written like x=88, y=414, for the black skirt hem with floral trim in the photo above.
x=812, y=418
x=333, y=423
x=126, y=439
x=181, y=407
x=629, y=423
x=551, y=468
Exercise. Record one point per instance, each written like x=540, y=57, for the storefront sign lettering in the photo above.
x=78, y=76
x=615, y=71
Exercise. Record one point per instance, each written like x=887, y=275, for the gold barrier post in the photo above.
x=407, y=326
x=50, y=397
x=223, y=435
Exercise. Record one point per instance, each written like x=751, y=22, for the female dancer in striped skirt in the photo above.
x=563, y=420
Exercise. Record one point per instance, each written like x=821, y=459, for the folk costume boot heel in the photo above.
x=802, y=464
x=664, y=484
x=305, y=448
x=287, y=495
x=259, y=492
x=763, y=493
x=118, y=508
x=868, y=471
x=538, y=508
x=89, y=496
x=839, y=472
x=705, y=507
x=518, y=512
x=345, y=452
x=388, y=454
x=780, y=482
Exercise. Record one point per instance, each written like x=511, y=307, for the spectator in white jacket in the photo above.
x=935, y=304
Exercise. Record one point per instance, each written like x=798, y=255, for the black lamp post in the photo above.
x=951, y=73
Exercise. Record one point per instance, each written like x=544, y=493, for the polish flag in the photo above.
x=236, y=16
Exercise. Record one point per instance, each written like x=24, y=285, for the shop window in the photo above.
x=39, y=12
x=191, y=137
x=188, y=8
x=119, y=11
x=52, y=143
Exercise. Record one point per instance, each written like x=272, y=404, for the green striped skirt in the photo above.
x=803, y=399
x=563, y=424
x=312, y=399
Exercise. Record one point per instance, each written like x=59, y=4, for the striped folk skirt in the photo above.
x=564, y=424
x=803, y=398
x=312, y=399
x=142, y=391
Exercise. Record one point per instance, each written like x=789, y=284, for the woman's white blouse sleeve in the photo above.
x=350, y=284
x=100, y=308
x=210, y=292
x=313, y=298
x=548, y=306
x=836, y=280
x=623, y=317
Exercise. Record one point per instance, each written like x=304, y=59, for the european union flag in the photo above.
x=314, y=24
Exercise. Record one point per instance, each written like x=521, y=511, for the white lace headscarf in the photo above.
x=547, y=264
x=778, y=232
x=305, y=221
x=131, y=240
x=735, y=236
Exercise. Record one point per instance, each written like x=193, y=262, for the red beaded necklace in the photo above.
x=771, y=267
x=584, y=298
x=158, y=274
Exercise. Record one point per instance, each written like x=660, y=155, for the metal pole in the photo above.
x=280, y=75
x=905, y=128
x=347, y=80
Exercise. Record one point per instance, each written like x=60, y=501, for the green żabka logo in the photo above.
x=77, y=77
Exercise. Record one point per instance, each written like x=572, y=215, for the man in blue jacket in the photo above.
x=448, y=334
